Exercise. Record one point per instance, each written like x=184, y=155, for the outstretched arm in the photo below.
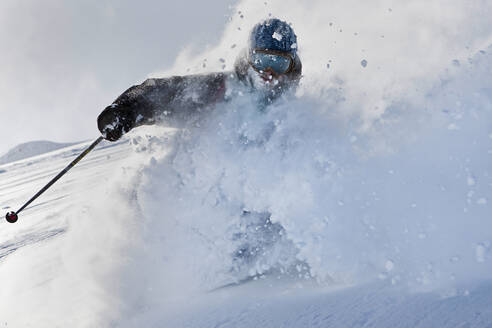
x=176, y=98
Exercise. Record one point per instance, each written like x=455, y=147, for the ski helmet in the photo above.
x=273, y=34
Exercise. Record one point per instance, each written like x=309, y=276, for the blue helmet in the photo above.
x=273, y=34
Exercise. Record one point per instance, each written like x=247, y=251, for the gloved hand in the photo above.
x=113, y=122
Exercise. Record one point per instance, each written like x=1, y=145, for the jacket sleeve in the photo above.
x=176, y=99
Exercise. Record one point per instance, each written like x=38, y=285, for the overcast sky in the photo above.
x=62, y=62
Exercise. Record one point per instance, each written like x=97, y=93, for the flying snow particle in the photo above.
x=293, y=46
x=389, y=265
x=480, y=253
x=277, y=36
x=363, y=63
x=482, y=201
x=454, y=259
x=470, y=181
x=453, y=127
x=139, y=118
x=383, y=276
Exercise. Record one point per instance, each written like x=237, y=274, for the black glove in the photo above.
x=114, y=121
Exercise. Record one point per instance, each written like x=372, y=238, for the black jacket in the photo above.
x=179, y=98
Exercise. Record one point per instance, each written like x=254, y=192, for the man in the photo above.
x=269, y=67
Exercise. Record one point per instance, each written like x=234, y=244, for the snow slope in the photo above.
x=64, y=264
x=361, y=201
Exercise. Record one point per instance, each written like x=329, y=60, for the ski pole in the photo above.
x=12, y=217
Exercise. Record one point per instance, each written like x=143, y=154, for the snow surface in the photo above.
x=351, y=204
x=79, y=258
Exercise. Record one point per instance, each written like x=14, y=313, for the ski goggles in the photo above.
x=264, y=60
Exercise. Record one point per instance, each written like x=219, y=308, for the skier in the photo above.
x=269, y=67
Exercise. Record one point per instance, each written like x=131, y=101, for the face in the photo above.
x=267, y=85
x=270, y=66
x=270, y=78
x=265, y=81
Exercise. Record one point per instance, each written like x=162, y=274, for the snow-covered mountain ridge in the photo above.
x=29, y=149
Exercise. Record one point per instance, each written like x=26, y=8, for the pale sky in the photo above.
x=62, y=62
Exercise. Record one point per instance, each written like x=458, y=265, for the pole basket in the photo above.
x=11, y=217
